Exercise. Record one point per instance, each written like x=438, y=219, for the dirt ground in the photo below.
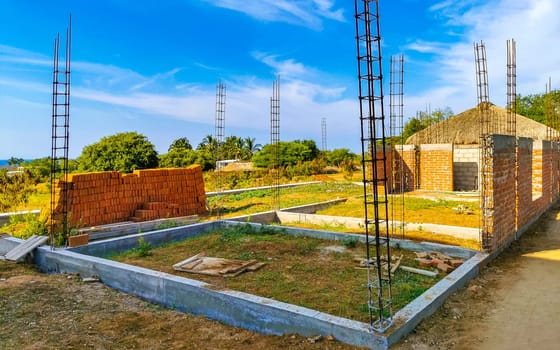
x=62, y=312
x=513, y=304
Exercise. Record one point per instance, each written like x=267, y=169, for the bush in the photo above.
x=26, y=225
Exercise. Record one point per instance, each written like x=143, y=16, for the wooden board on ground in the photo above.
x=211, y=266
x=19, y=252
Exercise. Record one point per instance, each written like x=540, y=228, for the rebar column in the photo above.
x=486, y=147
x=396, y=126
x=374, y=164
x=275, y=142
x=60, y=134
x=219, y=134
x=511, y=124
x=324, y=134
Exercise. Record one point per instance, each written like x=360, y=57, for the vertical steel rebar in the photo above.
x=374, y=164
x=324, y=134
x=219, y=134
x=60, y=135
x=275, y=142
x=486, y=146
x=396, y=126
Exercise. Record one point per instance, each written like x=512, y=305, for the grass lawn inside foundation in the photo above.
x=304, y=271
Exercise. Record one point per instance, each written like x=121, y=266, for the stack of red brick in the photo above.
x=109, y=197
x=438, y=260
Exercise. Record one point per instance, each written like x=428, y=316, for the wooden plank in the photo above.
x=204, y=265
x=418, y=271
x=25, y=248
x=396, y=265
x=186, y=261
x=241, y=267
x=255, y=267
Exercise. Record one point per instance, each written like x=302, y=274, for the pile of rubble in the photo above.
x=438, y=260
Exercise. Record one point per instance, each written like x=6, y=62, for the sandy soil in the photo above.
x=513, y=304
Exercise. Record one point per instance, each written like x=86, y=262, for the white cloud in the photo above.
x=308, y=13
x=286, y=68
x=534, y=26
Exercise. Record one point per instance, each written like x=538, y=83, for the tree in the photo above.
x=290, y=153
x=208, y=143
x=15, y=189
x=15, y=161
x=232, y=148
x=124, y=152
x=411, y=127
x=338, y=156
x=178, y=158
x=312, y=146
x=423, y=120
x=250, y=148
x=180, y=143
x=535, y=106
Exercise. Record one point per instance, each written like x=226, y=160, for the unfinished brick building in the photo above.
x=522, y=172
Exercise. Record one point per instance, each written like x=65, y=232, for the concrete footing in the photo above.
x=240, y=309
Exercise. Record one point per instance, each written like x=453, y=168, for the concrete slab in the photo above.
x=19, y=252
x=127, y=228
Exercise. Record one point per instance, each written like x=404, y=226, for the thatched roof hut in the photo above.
x=464, y=128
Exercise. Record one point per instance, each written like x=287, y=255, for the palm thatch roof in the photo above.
x=465, y=128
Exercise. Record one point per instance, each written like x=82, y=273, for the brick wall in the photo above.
x=109, y=197
x=407, y=154
x=436, y=167
x=525, y=183
x=537, y=184
x=502, y=185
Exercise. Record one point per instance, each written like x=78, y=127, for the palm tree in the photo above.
x=250, y=148
x=208, y=143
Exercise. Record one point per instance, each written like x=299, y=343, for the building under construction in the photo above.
x=517, y=175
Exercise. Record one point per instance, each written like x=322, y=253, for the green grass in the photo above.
x=261, y=200
x=297, y=269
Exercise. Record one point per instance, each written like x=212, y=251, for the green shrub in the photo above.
x=144, y=248
x=26, y=225
x=350, y=242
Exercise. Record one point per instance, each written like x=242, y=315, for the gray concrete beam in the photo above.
x=231, y=307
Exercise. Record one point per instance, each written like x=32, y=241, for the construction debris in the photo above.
x=395, y=262
x=418, y=271
x=205, y=265
x=20, y=251
x=438, y=260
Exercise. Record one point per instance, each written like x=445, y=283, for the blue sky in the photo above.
x=152, y=67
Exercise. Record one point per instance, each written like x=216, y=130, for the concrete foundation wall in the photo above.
x=245, y=310
x=109, y=197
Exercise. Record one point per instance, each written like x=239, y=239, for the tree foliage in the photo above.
x=339, y=156
x=424, y=119
x=290, y=153
x=124, y=152
x=180, y=143
x=15, y=189
x=178, y=158
x=534, y=106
